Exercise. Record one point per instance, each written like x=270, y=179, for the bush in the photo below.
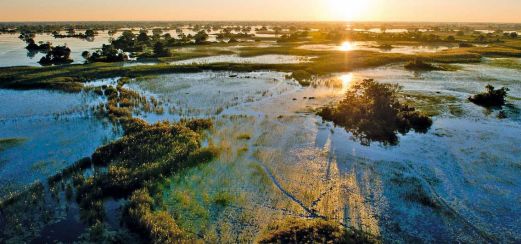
x=371, y=111
x=57, y=55
x=146, y=152
x=203, y=155
x=419, y=65
x=312, y=231
x=464, y=44
x=303, y=77
x=160, y=50
x=491, y=97
x=107, y=53
x=157, y=227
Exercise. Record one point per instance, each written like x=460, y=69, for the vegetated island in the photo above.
x=371, y=111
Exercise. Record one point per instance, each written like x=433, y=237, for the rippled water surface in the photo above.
x=459, y=182
x=13, y=52
x=52, y=130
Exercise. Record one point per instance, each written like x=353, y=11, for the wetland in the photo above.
x=261, y=132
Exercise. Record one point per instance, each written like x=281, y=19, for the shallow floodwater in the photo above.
x=13, y=52
x=209, y=94
x=374, y=46
x=455, y=183
x=52, y=130
x=262, y=59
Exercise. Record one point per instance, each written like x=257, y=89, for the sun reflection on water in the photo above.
x=347, y=80
x=346, y=46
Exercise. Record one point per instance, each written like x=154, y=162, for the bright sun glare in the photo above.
x=348, y=9
x=346, y=80
x=346, y=46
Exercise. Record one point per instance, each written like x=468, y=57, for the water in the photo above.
x=262, y=59
x=457, y=182
x=374, y=46
x=13, y=52
x=296, y=165
x=54, y=130
x=209, y=94
x=379, y=30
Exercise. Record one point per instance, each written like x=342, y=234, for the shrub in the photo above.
x=145, y=153
x=6, y=143
x=419, y=65
x=491, y=97
x=371, y=111
x=464, y=44
x=244, y=136
x=203, y=155
x=312, y=231
x=57, y=55
x=303, y=77
x=160, y=50
x=157, y=227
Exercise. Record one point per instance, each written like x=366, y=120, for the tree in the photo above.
x=160, y=50
x=491, y=97
x=126, y=42
x=85, y=55
x=128, y=36
x=157, y=32
x=31, y=45
x=90, y=33
x=277, y=30
x=57, y=55
x=372, y=111
x=514, y=35
x=167, y=36
x=71, y=31
x=108, y=53
x=143, y=36
x=233, y=40
x=200, y=37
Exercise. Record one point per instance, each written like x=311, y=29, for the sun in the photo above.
x=346, y=46
x=348, y=9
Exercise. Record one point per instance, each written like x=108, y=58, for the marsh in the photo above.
x=225, y=142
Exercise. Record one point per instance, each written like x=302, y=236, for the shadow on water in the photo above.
x=67, y=230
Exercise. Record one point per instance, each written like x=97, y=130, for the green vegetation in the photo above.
x=303, y=77
x=71, y=33
x=33, y=47
x=431, y=104
x=244, y=136
x=419, y=65
x=144, y=155
x=107, y=53
x=137, y=166
x=506, y=63
x=414, y=191
x=491, y=97
x=33, y=192
x=57, y=55
x=69, y=77
x=132, y=167
x=156, y=226
x=312, y=231
x=371, y=111
x=6, y=143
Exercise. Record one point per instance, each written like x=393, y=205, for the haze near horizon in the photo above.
x=263, y=10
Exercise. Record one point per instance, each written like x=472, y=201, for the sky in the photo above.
x=263, y=10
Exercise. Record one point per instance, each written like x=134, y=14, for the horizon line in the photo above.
x=280, y=21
